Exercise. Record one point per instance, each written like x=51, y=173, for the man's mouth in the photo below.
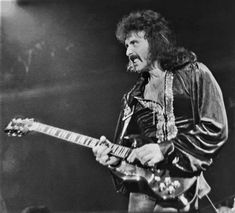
x=133, y=58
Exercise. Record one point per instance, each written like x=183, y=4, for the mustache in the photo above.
x=130, y=65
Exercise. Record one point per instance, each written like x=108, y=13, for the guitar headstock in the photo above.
x=19, y=126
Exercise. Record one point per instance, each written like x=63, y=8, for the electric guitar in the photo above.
x=149, y=180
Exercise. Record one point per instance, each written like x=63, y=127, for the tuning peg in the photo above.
x=19, y=127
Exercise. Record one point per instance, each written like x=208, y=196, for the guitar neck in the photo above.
x=79, y=139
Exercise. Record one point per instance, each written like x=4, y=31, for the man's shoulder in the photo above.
x=193, y=72
x=192, y=69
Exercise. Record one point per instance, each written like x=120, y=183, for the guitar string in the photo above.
x=117, y=150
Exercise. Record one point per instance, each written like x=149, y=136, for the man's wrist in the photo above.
x=166, y=147
x=116, y=164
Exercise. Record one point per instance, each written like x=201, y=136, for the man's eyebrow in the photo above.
x=131, y=41
x=134, y=40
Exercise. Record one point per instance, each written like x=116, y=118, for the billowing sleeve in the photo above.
x=199, y=139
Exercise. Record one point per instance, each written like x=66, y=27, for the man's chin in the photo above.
x=138, y=69
x=142, y=70
x=133, y=69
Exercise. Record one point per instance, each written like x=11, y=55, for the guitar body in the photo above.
x=156, y=183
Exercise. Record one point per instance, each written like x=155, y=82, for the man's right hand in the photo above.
x=101, y=152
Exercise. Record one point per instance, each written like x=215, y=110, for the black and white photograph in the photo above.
x=117, y=106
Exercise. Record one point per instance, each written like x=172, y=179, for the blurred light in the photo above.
x=7, y=8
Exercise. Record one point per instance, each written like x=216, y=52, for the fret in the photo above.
x=89, y=141
x=121, y=154
x=96, y=143
x=127, y=152
x=113, y=147
x=40, y=128
x=49, y=130
x=77, y=138
x=114, y=151
x=118, y=150
x=68, y=135
x=57, y=132
x=46, y=129
x=116, y=147
x=122, y=150
x=52, y=131
x=86, y=140
x=64, y=134
x=82, y=140
x=72, y=137
x=92, y=142
x=61, y=135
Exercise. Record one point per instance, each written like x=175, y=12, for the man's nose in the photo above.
x=129, y=51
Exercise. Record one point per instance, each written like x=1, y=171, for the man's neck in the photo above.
x=156, y=72
x=154, y=89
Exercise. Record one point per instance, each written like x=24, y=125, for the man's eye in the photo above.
x=134, y=42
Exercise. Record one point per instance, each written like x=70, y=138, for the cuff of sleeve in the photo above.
x=117, y=164
x=166, y=147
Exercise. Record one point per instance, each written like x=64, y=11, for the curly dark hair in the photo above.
x=161, y=39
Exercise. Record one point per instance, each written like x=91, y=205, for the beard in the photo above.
x=131, y=67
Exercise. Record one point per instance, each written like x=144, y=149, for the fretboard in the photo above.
x=83, y=140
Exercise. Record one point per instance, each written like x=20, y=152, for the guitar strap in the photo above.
x=128, y=112
x=212, y=204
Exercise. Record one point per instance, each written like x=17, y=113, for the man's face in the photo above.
x=137, y=50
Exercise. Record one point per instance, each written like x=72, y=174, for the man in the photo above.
x=175, y=111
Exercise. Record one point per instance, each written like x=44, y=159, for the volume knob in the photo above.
x=170, y=189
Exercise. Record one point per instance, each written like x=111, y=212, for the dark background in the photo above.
x=61, y=64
